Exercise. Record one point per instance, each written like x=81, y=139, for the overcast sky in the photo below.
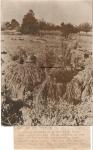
x=54, y=11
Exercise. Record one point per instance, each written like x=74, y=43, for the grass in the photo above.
x=48, y=76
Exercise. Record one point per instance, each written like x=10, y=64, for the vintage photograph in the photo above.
x=47, y=63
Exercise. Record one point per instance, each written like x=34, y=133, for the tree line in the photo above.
x=31, y=25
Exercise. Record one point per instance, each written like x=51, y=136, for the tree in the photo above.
x=42, y=25
x=85, y=27
x=30, y=23
x=68, y=29
x=6, y=26
x=14, y=23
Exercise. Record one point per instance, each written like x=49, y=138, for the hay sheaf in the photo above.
x=80, y=87
x=23, y=77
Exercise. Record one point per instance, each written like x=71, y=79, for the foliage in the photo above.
x=68, y=29
x=50, y=112
x=29, y=24
x=85, y=27
x=10, y=112
x=14, y=23
x=6, y=26
x=10, y=25
x=43, y=25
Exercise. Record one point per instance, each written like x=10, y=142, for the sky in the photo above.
x=53, y=11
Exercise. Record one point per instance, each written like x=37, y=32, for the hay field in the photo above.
x=47, y=79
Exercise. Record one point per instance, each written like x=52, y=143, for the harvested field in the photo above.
x=47, y=79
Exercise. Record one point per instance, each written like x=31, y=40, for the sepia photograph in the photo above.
x=46, y=63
